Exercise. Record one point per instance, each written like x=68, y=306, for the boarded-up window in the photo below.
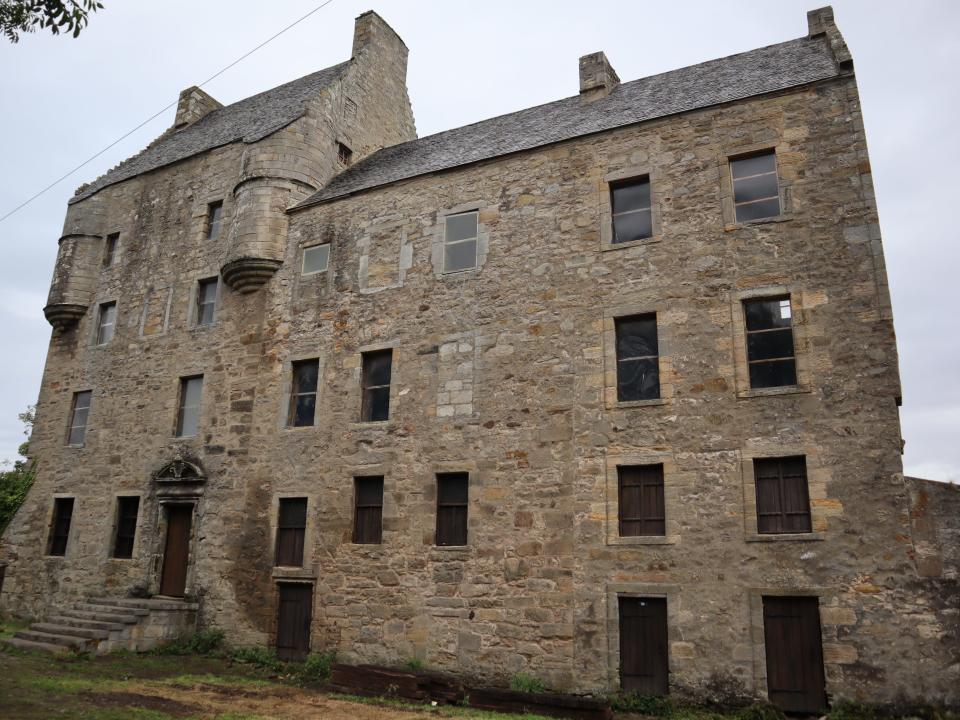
x=783, y=502
x=79, y=415
x=107, y=320
x=756, y=189
x=291, y=528
x=460, y=242
x=188, y=415
x=214, y=212
x=60, y=527
x=770, y=354
x=630, y=201
x=110, y=243
x=206, y=301
x=127, y=509
x=303, y=394
x=641, y=500
x=368, y=510
x=452, y=496
x=377, y=369
x=638, y=359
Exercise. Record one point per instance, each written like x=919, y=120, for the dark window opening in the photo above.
x=344, y=154
x=206, y=301
x=78, y=417
x=756, y=189
x=60, y=529
x=377, y=369
x=770, y=353
x=452, y=493
x=110, y=249
x=368, y=510
x=783, y=501
x=303, y=394
x=127, y=509
x=630, y=202
x=638, y=359
x=641, y=501
x=214, y=212
x=188, y=415
x=291, y=528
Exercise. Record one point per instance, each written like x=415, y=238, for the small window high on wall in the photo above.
x=638, y=358
x=188, y=414
x=452, y=495
x=126, y=530
x=60, y=527
x=632, y=218
x=376, y=374
x=460, y=242
x=303, y=393
x=79, y=415
x=291, y=528
x=770, y=353
x=756, y=188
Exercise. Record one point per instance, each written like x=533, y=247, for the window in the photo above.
x=107, y=322
x=127, y=508
x=638, y=361
x=60, y=529
x=460, y=242
x=641, y=500
x=368, y=510
x=214, y=212
x=188, y=414
x=291, y=526
x=315, y=259
x=206, y=301
x=756, y=189
x=303, y=394
x=770, y=354
x=78, y=417
x=783, y=502
x=110, y=249
x=344, y=154
x=376, y=385
x=452, y=508
x=630, y=201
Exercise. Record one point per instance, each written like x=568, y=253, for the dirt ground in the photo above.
x=152, y=687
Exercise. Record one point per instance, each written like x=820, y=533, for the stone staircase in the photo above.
x=101, y=625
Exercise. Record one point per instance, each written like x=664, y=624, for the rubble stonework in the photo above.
x=505, y=372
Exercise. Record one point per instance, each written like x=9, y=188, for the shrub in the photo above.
x=414, y=664
x=316, y=668
x=521, y=682
x=257, y=656
x=205, y=642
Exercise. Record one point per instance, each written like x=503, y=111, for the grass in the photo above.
x=521, y=682
x=438, y=710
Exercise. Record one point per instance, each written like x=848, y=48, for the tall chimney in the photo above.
x=820, y=22
x=597, y=77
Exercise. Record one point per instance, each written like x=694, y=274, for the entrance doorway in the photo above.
x=791, y=628
x=176, y=551
x=293, y=620
x=643, y=645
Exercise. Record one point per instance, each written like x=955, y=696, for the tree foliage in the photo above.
x=25, y=16
x=15, y=483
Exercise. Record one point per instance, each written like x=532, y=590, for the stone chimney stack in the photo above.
x=820, y=23
x=597, y=77
x=193, y=104
x=372, y=36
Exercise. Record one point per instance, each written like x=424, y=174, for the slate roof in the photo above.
x=765, y=70
x=248, y=120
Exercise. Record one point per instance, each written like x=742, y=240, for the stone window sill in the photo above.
x=773, y=391
x=785, y=537
x=459, y=274
x=642, y=403
x=75, y=446
x=631, y=243
x=201, y=328
x=644, y=540
x=55, y=558
x=299, y=428
x=786, y=217
x=373, y=425
x=293, y=573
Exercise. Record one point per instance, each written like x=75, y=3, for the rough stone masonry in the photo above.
x=506, y=369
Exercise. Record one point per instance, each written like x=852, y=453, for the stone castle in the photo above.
x=604, y=391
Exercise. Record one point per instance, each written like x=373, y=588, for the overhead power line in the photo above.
x=162, y=110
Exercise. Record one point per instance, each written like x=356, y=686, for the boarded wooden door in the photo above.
x=795, y=681
x=293, y=620
x=176, y=553
x=643, y=645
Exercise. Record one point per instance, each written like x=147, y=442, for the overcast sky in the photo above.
x=65, y=99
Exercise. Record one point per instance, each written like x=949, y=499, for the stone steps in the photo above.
x=102, y=624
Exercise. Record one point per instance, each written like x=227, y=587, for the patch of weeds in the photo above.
x=852, y=710
x=204, y=642
x=316, y=668
x=760, y=711
x=642, y=704
x=439, y=710
x=414, y=664
x=189, y=680
x=62, y=685
x=521, y=682
x=10, y=626
x=257, y=656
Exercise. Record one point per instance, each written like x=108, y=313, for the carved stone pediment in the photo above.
x=180, y=470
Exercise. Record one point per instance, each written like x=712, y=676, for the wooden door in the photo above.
x=176, y=552
x=643, y=645
x=293, y=620
x=795, y=680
